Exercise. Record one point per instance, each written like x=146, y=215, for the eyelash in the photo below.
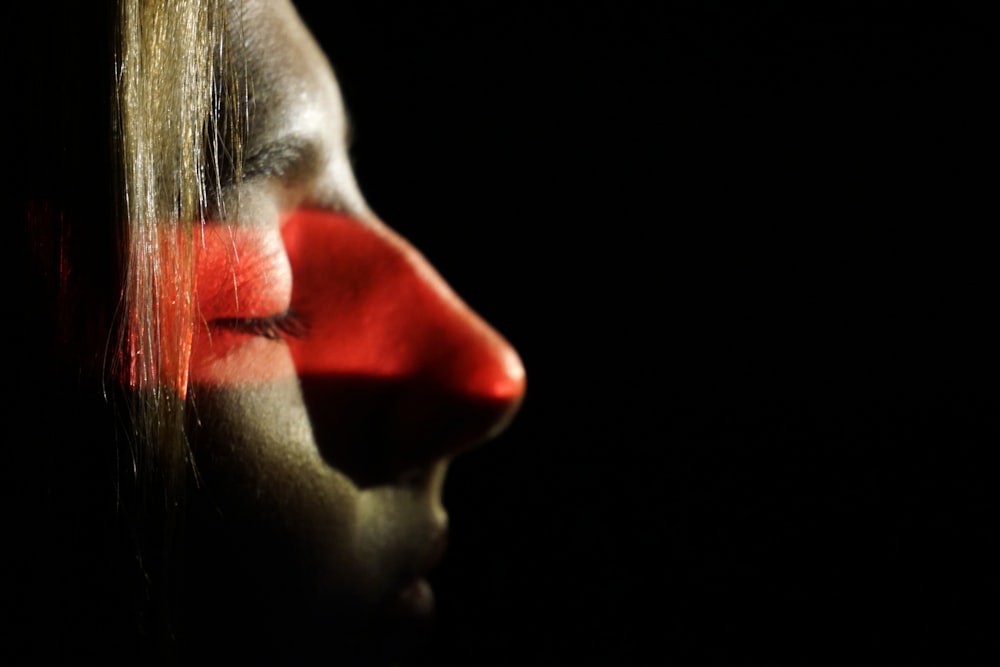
x=274, y=327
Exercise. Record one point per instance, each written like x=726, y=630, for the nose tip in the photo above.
x=500, y=373
x=469, y=384
x=497, y=378
x=508, y=387
x=467, y=394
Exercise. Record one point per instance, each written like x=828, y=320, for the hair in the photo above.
x=127, y=116
x=176, y=132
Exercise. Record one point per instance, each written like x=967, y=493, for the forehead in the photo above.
x=296, y=146
x=292, y=87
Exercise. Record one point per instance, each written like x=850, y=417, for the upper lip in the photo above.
x=427, y=558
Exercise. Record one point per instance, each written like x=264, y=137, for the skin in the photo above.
x=321, y=453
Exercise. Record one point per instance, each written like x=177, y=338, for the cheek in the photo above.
x=241, y=274
x=274, y=505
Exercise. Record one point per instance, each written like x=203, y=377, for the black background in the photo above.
x=743, y=250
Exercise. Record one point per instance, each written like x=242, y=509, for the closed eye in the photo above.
x=279, y=326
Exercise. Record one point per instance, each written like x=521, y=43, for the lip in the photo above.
x=415, y=595
x=406, y=617
x=412, y=597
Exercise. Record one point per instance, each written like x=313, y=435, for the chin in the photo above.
x=258, y=630
x=273, y=591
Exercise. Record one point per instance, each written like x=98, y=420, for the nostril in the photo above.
x=433, y=422
x=375, y=429
x=471, y=376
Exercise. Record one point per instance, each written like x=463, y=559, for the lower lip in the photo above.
x=415, y=600
x=406, y=622
x=406, y=619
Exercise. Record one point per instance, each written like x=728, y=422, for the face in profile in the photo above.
x=334, y=376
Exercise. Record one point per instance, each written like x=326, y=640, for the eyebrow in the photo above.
x=292, y=157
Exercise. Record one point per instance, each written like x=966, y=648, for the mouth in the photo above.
x=414, y=597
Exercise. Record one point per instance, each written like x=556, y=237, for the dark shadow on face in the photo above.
x=378, y=430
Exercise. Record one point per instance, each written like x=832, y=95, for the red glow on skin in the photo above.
x=242, y=272
x=390, y=357
x=375, y=307
x=372, y=306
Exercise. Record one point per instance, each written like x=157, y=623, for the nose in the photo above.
x=396, y=370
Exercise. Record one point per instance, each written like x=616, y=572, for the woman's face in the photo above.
x=334, y=376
